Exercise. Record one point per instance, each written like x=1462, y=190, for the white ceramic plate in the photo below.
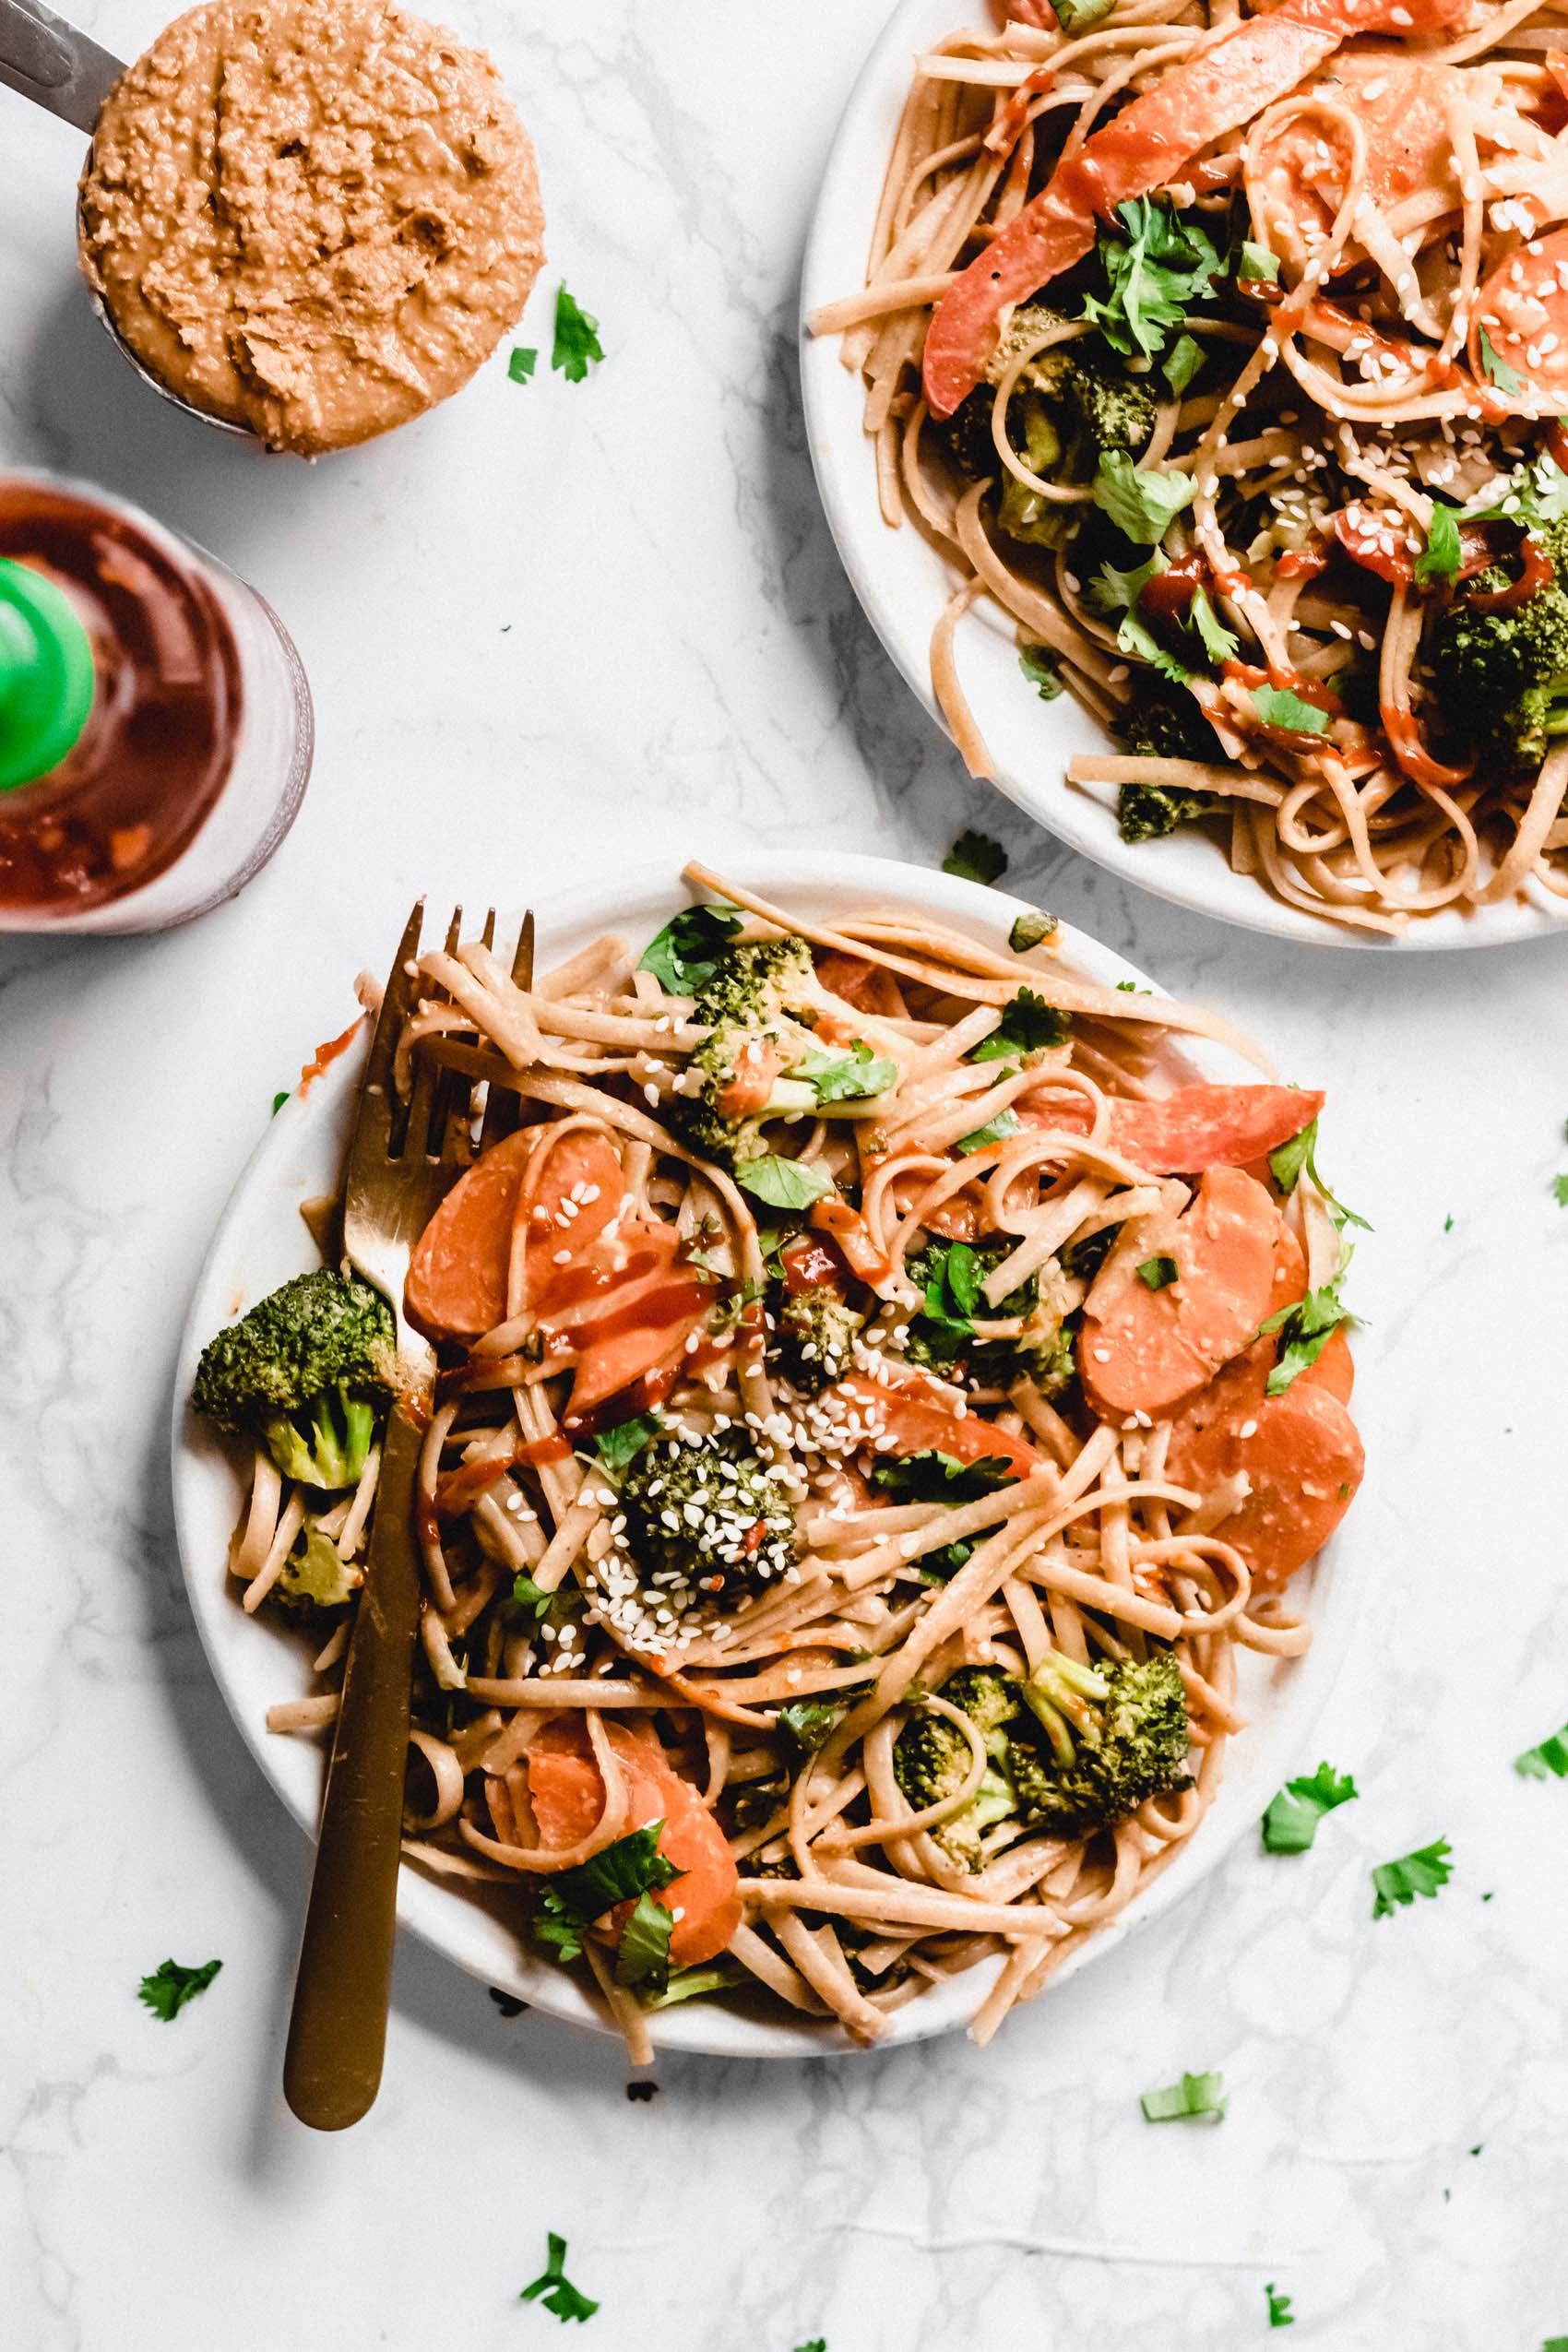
x=903, y=583
x=261, y=1240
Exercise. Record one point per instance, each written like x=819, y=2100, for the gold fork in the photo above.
x=400, y=1165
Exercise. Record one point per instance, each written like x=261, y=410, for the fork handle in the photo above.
x=337, y=2026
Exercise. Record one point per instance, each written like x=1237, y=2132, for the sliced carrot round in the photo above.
x=573, y=1190
x=1199, y=1127
x=1523, y=311
x=456, y=1285
x=566, y=1793
x=1143, y=1350
x=1298, y=175
x=1304, y=1459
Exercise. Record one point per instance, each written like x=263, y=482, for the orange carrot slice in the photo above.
x=1523, y=311
x=568, y=1796
x=1304, y=1459
x=909, y=1418
x=1199, y=1127
x=457, y=1286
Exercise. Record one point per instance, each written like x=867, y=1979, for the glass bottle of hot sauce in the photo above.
x=154, y=722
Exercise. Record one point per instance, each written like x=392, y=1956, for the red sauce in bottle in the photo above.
x=133, y=793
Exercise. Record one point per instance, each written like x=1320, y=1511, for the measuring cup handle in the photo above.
x=50, y=62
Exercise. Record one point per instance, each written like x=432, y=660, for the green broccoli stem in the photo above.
x=1060, y=1693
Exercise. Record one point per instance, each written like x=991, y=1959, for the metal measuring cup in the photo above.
x=61, y=70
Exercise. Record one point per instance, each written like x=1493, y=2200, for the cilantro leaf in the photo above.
x=642, y=1956
x=1437, y=566
x=278, y=1100
x=1073, y=16
x=560, y=2295
x=170, y=1984
x=1114, y=591
x=1140, y=645
x=1257, y=262
x=995, y=1131
x=1277, y=707
x=521, y=365
x=1039, y=666
x=975, y=857
x=1422, y=1873
x=847, y=1078
x=811, y=1723
x=576, y=339
x=1286, y=1166
x=1182, y=363
x=1028, y=1026
x=526, y=1595
x=933, y=1477
x=1546, y=1760
x=783, y=1183
x=1279, y=2311
x=622, y=1443
x=1497, y=370
x=1305, y=1329
x=1219, y=641
x=1560, y=1191
x=571, y=1901
x=1155, y=264
x=1290, y=1823
x=1193, y=2094
x=1157, y=1273
x=1141, y=506
x=1030, y=930
x=687, y=952
x=690, y=1984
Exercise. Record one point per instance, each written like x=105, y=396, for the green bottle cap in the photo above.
x=47, y=675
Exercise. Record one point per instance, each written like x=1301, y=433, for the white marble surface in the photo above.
x=569, y=621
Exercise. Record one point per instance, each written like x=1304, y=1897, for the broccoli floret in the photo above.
x=931, y=1759
x=943, y=1338
x=307, y=1372
x=1163, y=722
x=704, y=1518
x=814, y=1332
x=1071, y=405
x=1505, y=674
x=1073, y=1750
x=754, y=1005
x=314, y=1576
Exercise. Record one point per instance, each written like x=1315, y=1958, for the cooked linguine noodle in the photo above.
x=1032, y=1428
x=1369, y=326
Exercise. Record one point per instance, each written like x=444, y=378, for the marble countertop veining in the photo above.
x=607, y=618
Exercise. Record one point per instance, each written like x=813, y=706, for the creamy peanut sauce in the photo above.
x=315, y=218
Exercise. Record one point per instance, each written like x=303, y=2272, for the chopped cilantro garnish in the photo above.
x=995, y=1131
x=811, y=1723
x=521, y=365
x=1548, y=1759
x=577, y=341
x=1073, y=16
x=1140, y=644
x=1039, y=666
x=1422, y=1873
x=1141, y=506
x=1182, y=363
x=1193, y=2094
x=170, y=1984
x=847, y=1077
x=689, y=1984
x=933, y=1477
x=687, y=952
x=571, y=1901
x=1127, y=987
x=1448, y=1225
x=1437, y=566
x=1286, y=1166
x=975, y=857
x=1277, y=707
x=1256, y=262
x=1560, y=1191
x=783, y=1183
x=1496, y=370
x=619, y=1445
x=527, y=1597
x=1114, y=591
x=1305, y=1330
x=1028, y=1026
x=1155, y=264
x=1030, y=930
x=278, y=1100
x=642, y=1957
x=1157, y=1273
x=560, y=2295
x=1219, y=641
x=1290, y=1823
x=1279, y=2311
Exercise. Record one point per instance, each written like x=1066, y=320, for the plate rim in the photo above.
x=872, y=556
x=434, y=1910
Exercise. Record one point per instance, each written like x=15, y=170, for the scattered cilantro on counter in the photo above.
x=1422, y=1873
x=1290, y=1823
x=278, y=1100
x=1548, y=1760
x=975, y=857
x=560, y=2295
x=521, y=365
x=170, y=1986
x=1560, y=1191
x=1279, y=2311
x=576, y=339
x=640, y=2093
x=1196, y=2095
x=507, y=2003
